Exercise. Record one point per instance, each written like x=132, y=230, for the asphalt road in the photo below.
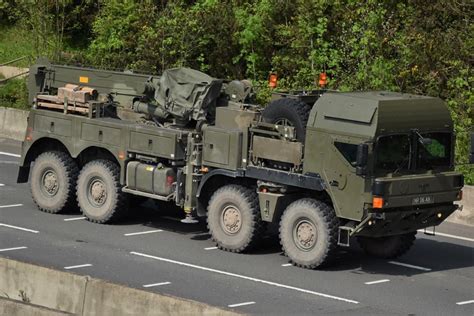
x=154, y=251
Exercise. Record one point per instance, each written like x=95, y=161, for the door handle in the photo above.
x=334, y=183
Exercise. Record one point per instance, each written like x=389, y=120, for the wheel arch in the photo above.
x=213, y=181
x=38, y=147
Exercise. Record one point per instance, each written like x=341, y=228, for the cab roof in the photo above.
x=369, y=114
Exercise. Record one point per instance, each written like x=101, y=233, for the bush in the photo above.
x=14, y=94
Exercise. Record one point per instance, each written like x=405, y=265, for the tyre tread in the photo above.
x=120, y=207
x=258, y=226
x=332, y=224
x=72, y=170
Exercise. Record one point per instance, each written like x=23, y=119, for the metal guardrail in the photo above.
x=3, y=81
x=13, y=61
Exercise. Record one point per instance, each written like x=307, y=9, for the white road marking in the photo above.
x=378, y=281
x=409, y=265
x=78, y=266
x=74, y=219
x=210, y=248
x=286, y=265
x=241, y=304
x=11, y=205
x=450, y=236
x=245, y=277
x=2, y=185
x=156, y=284
x=465, y=302
x=20, y=228
x=143, y=233
x=8, y=162
x=16, y=248
x=9, y=154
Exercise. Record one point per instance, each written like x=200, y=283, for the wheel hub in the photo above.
x=50, y=182
x=231, y=219
x=305, y=234
x=98, y=192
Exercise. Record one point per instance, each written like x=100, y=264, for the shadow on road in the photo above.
x=427, y=252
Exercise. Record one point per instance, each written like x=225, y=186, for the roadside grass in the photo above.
x=16, y=42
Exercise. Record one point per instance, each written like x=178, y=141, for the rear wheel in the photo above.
x=53, y=180
x=308, y=233
x=387, y=247
x=233, y=218
x=99, y=192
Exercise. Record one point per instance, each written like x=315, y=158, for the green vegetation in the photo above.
x=16, y=42
x=14, y=94
x=422, y=47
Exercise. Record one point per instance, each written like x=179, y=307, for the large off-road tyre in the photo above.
x=99, y=192
x=308, y=233
x=53, y=182
x=234, y=219
x=387, y=247
x=290, y=112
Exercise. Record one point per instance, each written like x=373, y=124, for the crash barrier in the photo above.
x=27, y=289
x=466, y=216
x=13, y=123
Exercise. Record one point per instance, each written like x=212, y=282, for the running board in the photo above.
x=149, y=195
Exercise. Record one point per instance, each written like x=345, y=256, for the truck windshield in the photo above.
x=395, y=153
x=434, y=151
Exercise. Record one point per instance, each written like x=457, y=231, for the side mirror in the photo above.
x=362, y=157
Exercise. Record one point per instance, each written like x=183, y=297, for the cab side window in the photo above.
x=349, y=151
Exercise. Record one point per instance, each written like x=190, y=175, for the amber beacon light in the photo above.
x=273, y=80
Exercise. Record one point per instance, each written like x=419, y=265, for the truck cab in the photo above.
x=388, y=159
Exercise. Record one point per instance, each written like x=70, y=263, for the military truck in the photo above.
x=327, y=166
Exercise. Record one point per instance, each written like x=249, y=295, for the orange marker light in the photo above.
x=377, y=202
x=323, y=79
x=273, y=80
x=121, y=155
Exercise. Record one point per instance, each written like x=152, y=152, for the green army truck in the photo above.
x=326, y=166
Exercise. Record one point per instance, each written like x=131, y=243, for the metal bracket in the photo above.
x=343, y=236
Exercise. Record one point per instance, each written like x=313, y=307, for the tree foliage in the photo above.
x=414, y=46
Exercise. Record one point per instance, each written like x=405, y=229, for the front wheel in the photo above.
x=233, y=218
x=99, y=192
x=387, y=247
x=308, y=233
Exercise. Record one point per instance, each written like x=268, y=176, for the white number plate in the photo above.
x=422, y=200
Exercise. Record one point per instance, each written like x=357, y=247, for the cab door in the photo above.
x=339, y=172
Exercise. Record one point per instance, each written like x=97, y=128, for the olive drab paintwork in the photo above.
x=221, y=138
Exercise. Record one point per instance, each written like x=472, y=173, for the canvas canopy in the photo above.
x=186, y=93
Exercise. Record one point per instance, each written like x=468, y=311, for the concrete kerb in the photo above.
x=13, y=123
x=466, y=216
x=66, y=292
